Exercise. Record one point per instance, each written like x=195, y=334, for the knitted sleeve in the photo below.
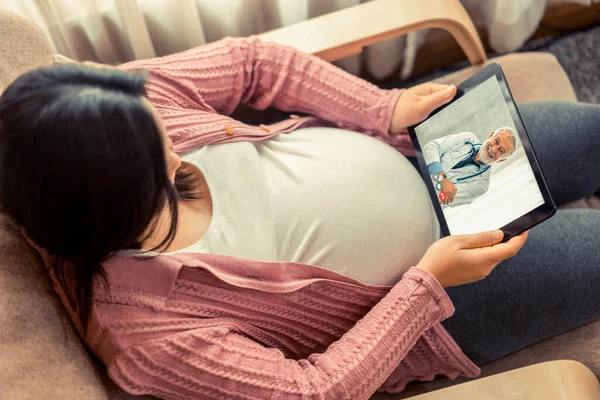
x=220, y=362
x=218, y=76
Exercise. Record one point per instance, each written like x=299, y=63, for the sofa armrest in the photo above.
x=553, y=380
x=345, y=32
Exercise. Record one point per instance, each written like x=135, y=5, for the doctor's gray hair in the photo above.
x=511, y=134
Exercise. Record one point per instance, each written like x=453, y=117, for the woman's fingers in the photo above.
x=481, y=239
x=437, y=95
x=432, y=95
x=502, y=251
x=432, y=87
x=459, y=259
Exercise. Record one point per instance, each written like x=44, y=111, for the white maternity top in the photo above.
x=329, y=197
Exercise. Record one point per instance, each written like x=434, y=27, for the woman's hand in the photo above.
x=417, y=102
x=459, y=259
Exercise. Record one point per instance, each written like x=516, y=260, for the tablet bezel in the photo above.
x=526, y=221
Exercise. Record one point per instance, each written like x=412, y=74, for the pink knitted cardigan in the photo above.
x=219, y=327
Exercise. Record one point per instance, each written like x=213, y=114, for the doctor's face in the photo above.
x=496, y=148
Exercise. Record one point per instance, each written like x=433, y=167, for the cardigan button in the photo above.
x=265, y=128
x=229, y=129
x=294, y=116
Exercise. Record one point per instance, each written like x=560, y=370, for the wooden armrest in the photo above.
x=553, y=380
x=345, y=32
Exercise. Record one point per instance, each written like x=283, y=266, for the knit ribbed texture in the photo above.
x=195, y=90
x=186, y=327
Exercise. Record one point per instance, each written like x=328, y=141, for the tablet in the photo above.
x=478, y=163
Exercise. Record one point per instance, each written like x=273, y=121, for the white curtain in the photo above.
x=116, y=31
x=509, y=22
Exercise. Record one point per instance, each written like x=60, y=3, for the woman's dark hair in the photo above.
x=83, y=169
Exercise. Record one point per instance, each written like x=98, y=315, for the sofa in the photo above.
x=41, y=355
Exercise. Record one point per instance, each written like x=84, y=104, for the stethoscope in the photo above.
x=481, y=170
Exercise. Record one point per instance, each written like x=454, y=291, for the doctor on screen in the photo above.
x=460, y=165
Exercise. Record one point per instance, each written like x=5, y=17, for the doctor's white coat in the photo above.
x=471, y=180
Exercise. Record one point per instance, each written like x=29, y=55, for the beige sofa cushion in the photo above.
x=23, y=46
x=531, y=77
x=41, y=356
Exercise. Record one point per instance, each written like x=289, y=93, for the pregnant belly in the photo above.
x=347, y=202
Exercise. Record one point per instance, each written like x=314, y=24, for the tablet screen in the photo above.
x=474, y=142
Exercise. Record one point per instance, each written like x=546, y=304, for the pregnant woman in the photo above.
x=200, y=257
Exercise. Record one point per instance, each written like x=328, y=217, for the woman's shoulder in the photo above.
x=144, y=272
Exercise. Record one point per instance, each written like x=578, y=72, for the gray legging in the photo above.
x=553, y=283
